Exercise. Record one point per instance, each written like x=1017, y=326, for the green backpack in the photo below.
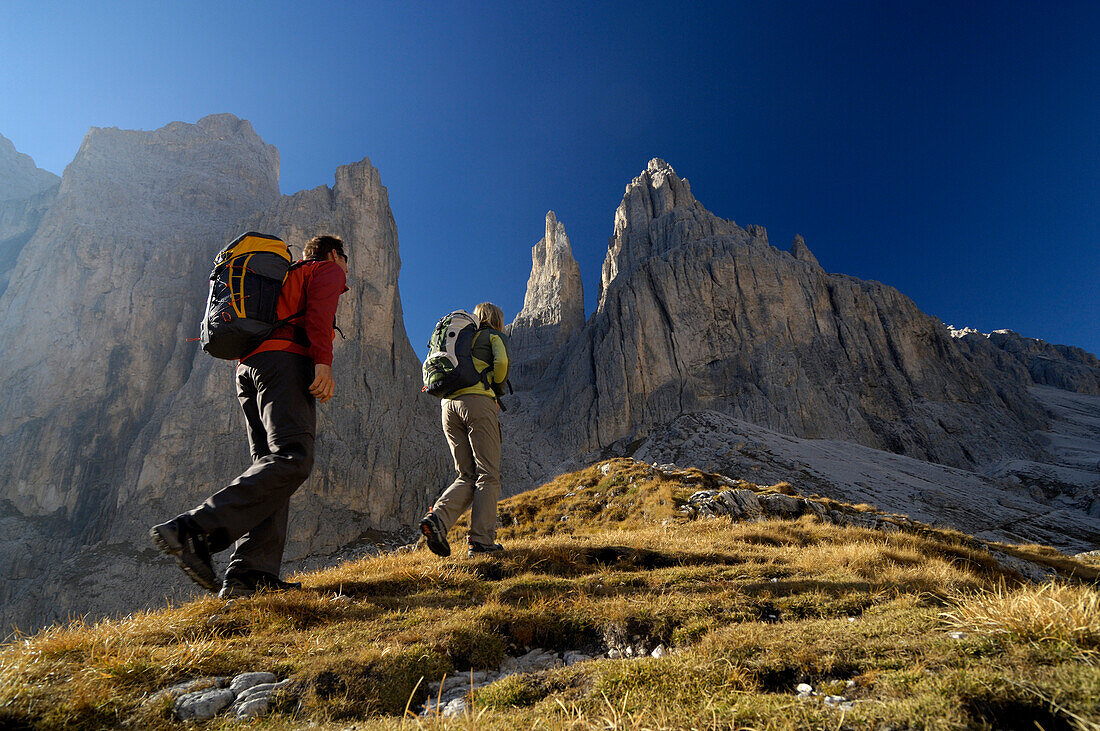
x=449, y=366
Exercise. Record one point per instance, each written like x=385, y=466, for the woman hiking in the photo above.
x=472, y=428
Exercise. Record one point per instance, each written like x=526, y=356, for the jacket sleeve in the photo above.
x=323, y=292
x=500, y=358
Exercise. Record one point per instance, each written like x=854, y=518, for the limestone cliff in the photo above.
x=1060, y=366
x=26, y=191
x=124, y=250
x=378, y=456
x=696, y=312
x=698, y=315
x=111, y=419
x=553, y=308
x=19, y=177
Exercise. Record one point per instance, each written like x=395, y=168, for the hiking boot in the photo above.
x=432, y=528
x=246, y=583
x=190, y=550
x=237, y=587
x=479, y=548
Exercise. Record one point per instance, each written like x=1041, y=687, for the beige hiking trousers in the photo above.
x=473, y=432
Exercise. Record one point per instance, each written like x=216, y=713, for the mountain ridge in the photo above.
x=696, y=315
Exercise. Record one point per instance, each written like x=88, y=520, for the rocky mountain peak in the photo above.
x=800, y=251
x=19, y=176
x=553, y=308
x=218, y=158
x=658, y=212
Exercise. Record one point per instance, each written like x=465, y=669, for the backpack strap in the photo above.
x=299, y=337
x=486, y=375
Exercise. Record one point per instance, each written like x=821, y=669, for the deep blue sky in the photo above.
x=951, y=150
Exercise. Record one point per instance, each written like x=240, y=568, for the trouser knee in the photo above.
x=302, y=465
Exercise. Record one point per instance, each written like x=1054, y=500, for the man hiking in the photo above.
x=278, y=385
x=472, y=429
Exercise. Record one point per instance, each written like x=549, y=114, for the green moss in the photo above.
x=381, y=685
x=474, y=648
x=515, y=691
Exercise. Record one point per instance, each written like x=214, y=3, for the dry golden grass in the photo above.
x=1049, y=613
x=751, y=609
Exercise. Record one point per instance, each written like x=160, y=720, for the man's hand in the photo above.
x=323, y=385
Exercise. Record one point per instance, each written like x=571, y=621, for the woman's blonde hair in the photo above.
x=489, y=314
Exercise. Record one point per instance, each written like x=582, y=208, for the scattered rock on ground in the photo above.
x=247, y=695
x=188, y=686
x=449, y=697
x=203, y=705
x=244, y=681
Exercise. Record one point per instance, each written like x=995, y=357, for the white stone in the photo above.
x=264, y=689
x=455, y=707
x=203, y=705
x=804, y=689
x=188, y=686
x=255, y=707
x=244, y=681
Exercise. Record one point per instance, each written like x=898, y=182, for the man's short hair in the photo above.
x=318, y=247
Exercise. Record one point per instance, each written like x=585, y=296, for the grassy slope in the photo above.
x=595, y=559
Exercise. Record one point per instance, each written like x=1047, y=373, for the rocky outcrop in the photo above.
x=125, y=250
x=19, y=177
x=26, y=191
x=1032, y=360
x=657, y=213
x=995, y=507
x=800, y=251
x=696, y=312
x=553, y=308
x=19, y=219
x=111, y=419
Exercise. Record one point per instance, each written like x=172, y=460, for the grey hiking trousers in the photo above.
x=253, y=510
x=473, y=433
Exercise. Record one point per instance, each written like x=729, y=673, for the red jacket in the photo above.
x=314, y=286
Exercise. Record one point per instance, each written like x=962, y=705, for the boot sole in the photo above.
x=436, y=545
x=200, y=574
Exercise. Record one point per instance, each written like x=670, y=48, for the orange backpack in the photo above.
x=245, y=287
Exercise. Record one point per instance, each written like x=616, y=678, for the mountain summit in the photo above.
x=19, y=176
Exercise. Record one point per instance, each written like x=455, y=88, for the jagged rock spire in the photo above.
x=553, y=308
x=800, y=251
x=554, y=291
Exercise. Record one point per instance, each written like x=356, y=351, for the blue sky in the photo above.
x=951, y=150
